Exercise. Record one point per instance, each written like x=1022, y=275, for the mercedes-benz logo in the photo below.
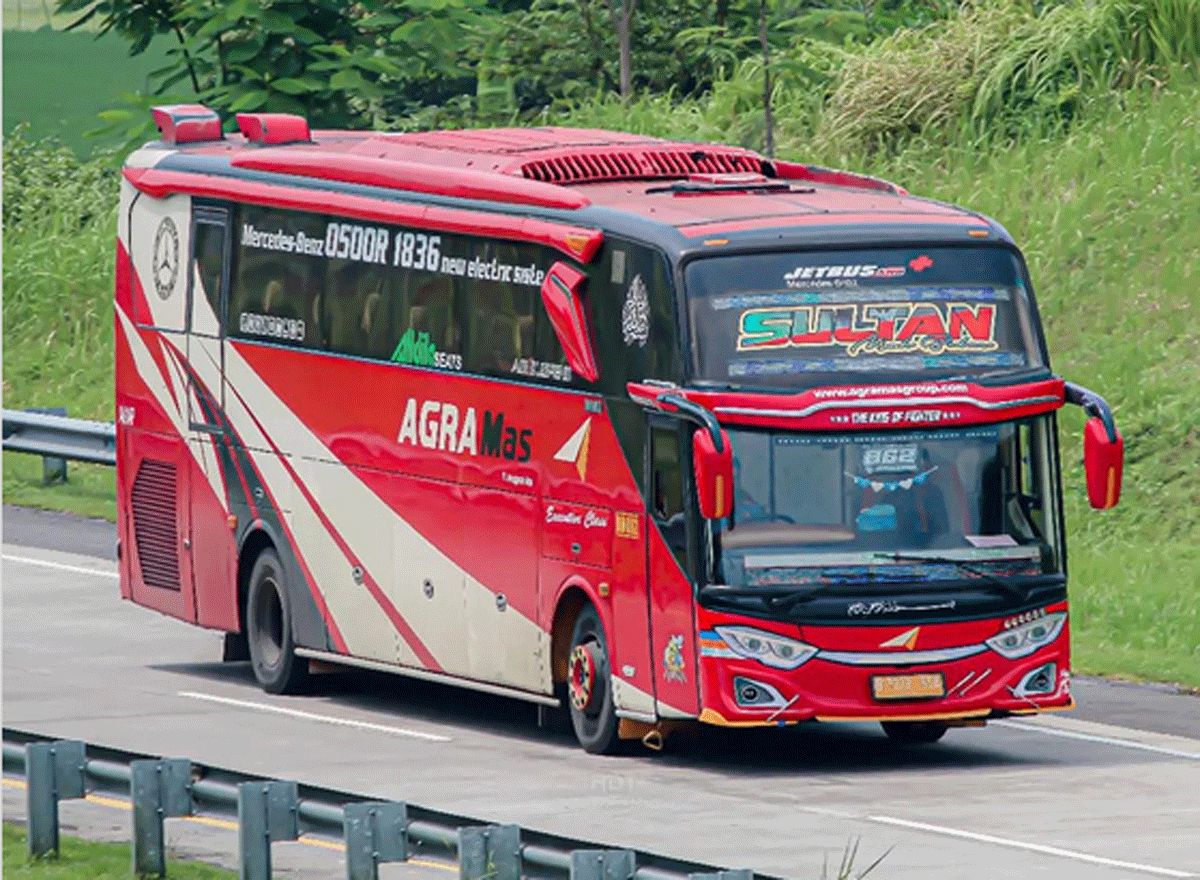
x=166, y=257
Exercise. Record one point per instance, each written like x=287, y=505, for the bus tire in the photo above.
x=589, y=686
x=913, y=733
x=269, y=628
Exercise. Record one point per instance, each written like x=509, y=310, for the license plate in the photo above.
x=922, y=685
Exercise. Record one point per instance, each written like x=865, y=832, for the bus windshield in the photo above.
x=812, y=318
x=815, y=509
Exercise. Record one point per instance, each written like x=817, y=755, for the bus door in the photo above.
x=672, y=606
x=208, y=539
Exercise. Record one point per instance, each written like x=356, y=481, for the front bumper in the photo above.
x=948, y=682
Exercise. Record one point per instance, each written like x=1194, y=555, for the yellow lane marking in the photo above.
x=107, y=801
x=324, y=844
x=226, y=824
x=212, y=822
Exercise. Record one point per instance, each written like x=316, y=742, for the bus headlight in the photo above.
x=768, y=648
x=1023, y=640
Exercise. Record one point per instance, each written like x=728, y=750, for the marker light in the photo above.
x=767, y=648
x=1023, y=640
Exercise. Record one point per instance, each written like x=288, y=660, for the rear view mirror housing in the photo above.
x=1103, y=461
x=562, y=295
x=713, y=468
x=1103, y=447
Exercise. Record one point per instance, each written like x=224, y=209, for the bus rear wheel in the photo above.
x=589, y=686
x=914, y=733
x=269, y=628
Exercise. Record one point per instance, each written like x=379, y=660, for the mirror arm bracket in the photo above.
x=1094, y=405
x=693, y=412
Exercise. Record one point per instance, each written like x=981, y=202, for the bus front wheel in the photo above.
x=589, y=686
x=913, y=733
x=269, y=628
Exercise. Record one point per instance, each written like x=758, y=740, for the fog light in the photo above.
x=749, y=692
x=1039, y=681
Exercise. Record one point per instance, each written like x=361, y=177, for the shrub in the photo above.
x=47, y=187
x=1005, y=69
x=59, y=228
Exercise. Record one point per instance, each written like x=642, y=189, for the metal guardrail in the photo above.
x=267, y=810
x=59, y=437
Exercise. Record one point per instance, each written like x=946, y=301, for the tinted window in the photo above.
x=666, y=476
x=500, y=315
x=278, y=278
x=804, y=503
x=209, y=250
x=632, y=304
x=788, y=318
x=387, y=293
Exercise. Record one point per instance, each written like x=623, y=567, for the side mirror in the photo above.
x=1103, y=448
x=561, y=295
x=1102, y=463
x=714, y=474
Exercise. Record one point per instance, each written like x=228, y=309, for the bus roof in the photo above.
x=698, y=190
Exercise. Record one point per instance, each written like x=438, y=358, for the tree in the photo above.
x=332, y=61
x=768, y=115
x=620, y=13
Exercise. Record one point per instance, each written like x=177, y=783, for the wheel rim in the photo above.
x=584, y=684
x=268, y=617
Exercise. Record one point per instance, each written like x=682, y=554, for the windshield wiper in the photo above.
x=1009, y=588
x=771, y=599
x=1008, y=373
x=775, y=600
x=788, y=601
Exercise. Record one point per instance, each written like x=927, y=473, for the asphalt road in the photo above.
x=1109, y=791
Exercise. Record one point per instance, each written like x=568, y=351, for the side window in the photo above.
x=208, y=254
x=439, y=300
x=1031, y=493
x=632, y=303
x=508, y=333
x=356, y=312
x=277, y=288
x=666, y=489
x=1023, y=512
x=425, y=329
x=500, y=316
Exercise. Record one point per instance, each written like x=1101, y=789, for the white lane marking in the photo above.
x=1032, y=847
x=1091, y=737
x=60, y=566
x=825, y=811
x=312, y=716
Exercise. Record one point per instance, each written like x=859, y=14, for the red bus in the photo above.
x=653, y=432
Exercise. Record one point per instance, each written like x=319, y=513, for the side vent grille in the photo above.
x=582, y=167
x=154, y=524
